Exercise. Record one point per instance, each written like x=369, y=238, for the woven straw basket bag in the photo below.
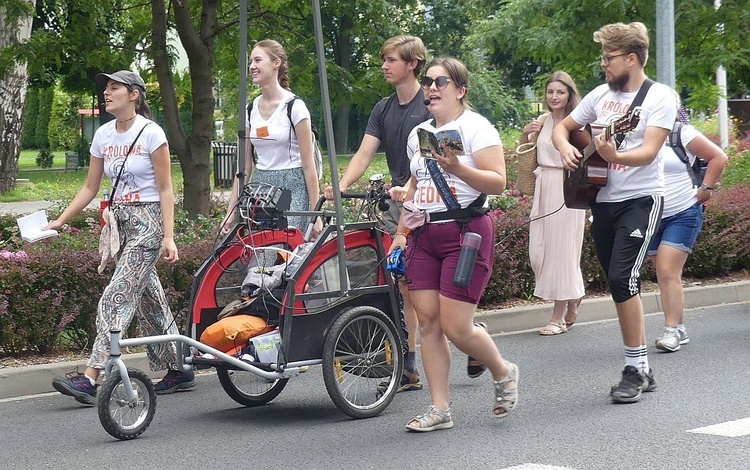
x=526, y=154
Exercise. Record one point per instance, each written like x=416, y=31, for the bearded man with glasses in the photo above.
x=627, y=210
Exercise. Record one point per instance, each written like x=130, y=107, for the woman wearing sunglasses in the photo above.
x=446, y=311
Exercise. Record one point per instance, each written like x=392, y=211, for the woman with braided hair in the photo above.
x=285, y=154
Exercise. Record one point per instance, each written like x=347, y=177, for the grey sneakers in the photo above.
x=671, y=339
x=625, y=392
x=630, y=387
x=683, y=337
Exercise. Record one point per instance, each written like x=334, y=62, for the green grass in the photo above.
x=55, y=184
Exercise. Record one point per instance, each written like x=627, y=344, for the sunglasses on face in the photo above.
x=440, y=82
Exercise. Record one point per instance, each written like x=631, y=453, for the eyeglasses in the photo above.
x=440, y=82
x=606, y=59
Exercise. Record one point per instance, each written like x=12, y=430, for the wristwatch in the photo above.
x=705, y=187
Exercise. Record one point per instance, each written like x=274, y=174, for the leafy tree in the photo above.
x=46, y=96
x=529, y=39
x=355, y=31
x=15, y=28
x=445, y=32
x=64, y=128
x=31, y=112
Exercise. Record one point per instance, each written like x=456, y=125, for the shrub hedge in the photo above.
x=49, y=290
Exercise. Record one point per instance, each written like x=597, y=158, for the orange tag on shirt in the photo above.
x=262, y=132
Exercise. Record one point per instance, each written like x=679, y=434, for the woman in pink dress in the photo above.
x=555, y=239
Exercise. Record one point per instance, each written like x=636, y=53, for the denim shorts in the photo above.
x=680, y=230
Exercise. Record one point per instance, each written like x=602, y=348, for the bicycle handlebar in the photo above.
x=373, y=197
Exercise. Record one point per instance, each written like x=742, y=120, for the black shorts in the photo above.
x=622, y=232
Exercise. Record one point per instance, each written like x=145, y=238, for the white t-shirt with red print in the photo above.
x=604, y=106
x=477, y=133
x=138, y=180
x=274, y=140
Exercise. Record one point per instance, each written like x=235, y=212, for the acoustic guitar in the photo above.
x=581, y=186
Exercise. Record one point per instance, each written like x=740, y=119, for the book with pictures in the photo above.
x=430, y=141
x=31, y=227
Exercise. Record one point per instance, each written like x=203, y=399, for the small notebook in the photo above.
x=31, y=227
x=429, y=142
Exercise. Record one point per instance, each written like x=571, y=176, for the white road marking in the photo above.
x=737, y=428
x=536, y=466
x=28, y=397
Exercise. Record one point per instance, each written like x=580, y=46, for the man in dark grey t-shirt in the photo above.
x=391, y=120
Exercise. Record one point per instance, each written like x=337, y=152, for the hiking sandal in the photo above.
x=433, y=420
x=506, y=396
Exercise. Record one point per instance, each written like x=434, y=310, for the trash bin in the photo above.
x=71, y=161
x=225, y=163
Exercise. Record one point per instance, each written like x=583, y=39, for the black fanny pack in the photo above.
x=475, y=209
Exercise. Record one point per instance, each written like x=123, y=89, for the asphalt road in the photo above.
x=564, y=421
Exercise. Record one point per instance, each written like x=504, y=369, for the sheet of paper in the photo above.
x=31, y=227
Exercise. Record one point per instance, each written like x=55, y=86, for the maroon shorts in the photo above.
x=432, y=256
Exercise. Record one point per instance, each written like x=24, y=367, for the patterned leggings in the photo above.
x=135, y=288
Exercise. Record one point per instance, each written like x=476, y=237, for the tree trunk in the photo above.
x=342, y=128
x=343, y=56
x=193, y=152
x=13, y=88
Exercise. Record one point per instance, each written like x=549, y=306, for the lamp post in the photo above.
x=721, y=82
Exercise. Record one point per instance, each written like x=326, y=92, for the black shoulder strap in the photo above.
x=313, y=129
x=675, y=141
x=289, y=105
x=637, y=101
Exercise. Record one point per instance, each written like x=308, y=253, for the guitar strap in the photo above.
x=637, y=101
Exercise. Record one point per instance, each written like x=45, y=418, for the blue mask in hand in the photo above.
x=395, y=262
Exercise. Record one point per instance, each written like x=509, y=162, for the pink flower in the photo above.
x=8, y=255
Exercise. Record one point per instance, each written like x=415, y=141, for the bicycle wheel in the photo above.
x=247, y=388
x=362, y=362
x=120, y=417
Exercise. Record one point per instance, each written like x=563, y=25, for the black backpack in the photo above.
x=316, y=135
x=698, y=169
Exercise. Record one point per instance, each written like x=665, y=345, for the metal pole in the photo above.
x=328, y=121
x=665, y=50
x=242, y=97
x=721, y=82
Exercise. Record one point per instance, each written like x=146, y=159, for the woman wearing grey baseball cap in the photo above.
x=132, y=151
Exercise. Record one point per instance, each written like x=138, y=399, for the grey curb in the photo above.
x=603, y=308
x=29, y=380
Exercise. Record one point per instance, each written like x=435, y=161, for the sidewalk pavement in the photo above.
x=21, y=381
x=28, y=207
